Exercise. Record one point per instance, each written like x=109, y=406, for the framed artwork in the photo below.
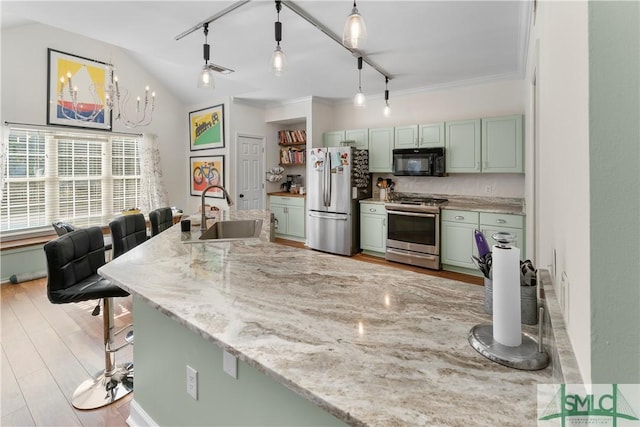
x=76, y=91
x=206, y=128
x=206, y=171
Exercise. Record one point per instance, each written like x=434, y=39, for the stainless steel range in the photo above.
x=413, y=231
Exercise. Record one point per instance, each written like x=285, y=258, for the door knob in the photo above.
x=241, y=196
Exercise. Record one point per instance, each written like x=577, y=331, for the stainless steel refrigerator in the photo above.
x=337, y=178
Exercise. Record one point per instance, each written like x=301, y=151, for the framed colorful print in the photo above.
x=76, y=91
x=206, y=128
x=206, y=171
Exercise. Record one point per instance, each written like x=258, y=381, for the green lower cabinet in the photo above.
x=458, y=241
x=491, y=223
x=289, y=216
x=458, y=244
x=373, y=228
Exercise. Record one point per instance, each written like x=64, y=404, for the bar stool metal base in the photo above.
x=525, y=356
x=103, y=390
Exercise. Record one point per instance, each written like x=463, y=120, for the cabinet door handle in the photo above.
x=384, y=222
x=501, y=221
x=372, y=209
x=458, y=217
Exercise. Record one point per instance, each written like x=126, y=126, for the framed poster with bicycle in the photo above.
x=206, y=128
x=206, y=171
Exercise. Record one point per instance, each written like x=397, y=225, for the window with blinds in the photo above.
x=81, y=178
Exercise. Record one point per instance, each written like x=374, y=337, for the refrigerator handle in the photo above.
x=327, y=180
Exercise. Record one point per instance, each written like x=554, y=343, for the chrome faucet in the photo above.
x=203, y=221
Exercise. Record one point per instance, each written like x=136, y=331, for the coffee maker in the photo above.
x=291, y=179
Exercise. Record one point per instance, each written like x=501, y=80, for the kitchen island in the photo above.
x=367, y=344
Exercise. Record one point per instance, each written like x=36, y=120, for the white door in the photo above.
x=250, y=173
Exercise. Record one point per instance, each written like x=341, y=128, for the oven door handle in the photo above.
x=422, y=215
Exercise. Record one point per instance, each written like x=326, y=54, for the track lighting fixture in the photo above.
x=278, y=60
x=205, y=80
x=360, y=100
x=387, y=110
x=355, y=32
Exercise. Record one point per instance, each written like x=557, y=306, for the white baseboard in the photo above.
x=138, y=417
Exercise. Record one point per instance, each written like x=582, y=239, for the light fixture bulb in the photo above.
x=205, y=80
x=360, y=100
x=278, y=62
x=387, y=110
x=355, y=31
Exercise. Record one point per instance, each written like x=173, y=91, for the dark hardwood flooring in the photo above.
x=48, y=350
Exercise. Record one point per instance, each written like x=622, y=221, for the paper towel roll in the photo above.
x=507, y=329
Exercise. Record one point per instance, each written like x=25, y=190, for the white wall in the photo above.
x=240, y=117
x=469, y=102
x=24, y=90
x=563, y=160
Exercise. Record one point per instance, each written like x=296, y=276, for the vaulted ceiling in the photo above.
x=420, y=44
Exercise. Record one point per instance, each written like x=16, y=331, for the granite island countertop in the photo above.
x=371, y=345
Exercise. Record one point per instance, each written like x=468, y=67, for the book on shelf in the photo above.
x=292, y=156
x=291, y=137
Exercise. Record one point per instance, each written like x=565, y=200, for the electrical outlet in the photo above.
x=488, y=189
x=565, y=297
x=230, y=364
x=192, y=382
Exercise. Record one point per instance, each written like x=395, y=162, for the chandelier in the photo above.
x=116, y=101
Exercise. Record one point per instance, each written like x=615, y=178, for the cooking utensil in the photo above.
x=481, y=243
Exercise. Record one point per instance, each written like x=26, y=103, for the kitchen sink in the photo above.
x=233, y=230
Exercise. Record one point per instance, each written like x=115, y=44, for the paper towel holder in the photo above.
x=528, y=356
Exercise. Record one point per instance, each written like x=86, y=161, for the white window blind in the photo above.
x=81, y=178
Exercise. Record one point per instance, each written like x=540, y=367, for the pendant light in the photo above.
x=205, y=79
x=355, y=32
x=278, y=60
x=387, y=110
x=360, y=101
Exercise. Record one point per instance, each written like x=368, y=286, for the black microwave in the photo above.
x=419, y=162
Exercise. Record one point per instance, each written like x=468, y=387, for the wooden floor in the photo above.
x=48, y=350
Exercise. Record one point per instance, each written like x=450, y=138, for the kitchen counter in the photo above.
x=502, y=205
x=285, y=194
x=486, y=204
x=364, y=343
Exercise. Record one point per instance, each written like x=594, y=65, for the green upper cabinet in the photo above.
x=333, y=139
x=381, y=150
x=462, y=142
x=431, y=135
x=360, y=138
x=423, y=136
x=406, y=136
x=502, y=148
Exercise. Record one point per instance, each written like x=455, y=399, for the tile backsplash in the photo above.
x=477, y=184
